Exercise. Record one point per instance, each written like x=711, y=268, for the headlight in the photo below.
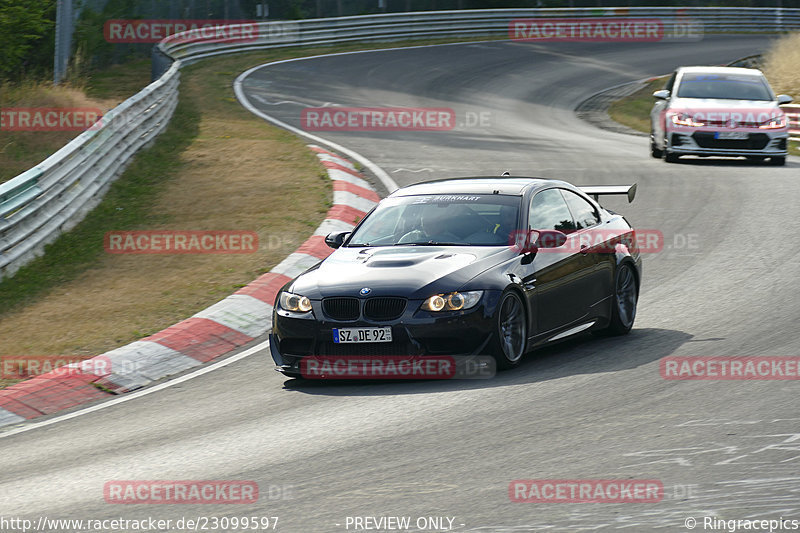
x=773, y=123
x=295, y=302
x=684, y=119
x=452, y=301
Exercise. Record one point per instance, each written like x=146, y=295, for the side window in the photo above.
x=584, y=213
x=549, y=211
x=671, y=82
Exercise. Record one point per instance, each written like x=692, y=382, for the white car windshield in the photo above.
x=724, y=86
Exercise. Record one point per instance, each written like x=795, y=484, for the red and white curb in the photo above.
x=215, y=331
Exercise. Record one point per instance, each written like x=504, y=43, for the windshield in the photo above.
x=725, y=86
x=466, y=220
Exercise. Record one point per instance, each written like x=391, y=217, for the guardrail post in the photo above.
x=63, y=39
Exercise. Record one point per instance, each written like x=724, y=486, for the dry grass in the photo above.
x=237, y=173
x=782, y=66
x=118, y=82
x=634, y=110
x=782, y=69
x=21, y=150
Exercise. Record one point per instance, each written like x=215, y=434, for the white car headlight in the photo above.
x=774, y=123
x=685, y=119
x=295, y=302
x=452, y=301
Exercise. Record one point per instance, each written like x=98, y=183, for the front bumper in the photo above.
x=295, y=336
x=762, y=143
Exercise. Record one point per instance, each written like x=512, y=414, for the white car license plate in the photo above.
x=730, y=135
x=355, y=335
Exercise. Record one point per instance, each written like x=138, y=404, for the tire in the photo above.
x=777, y=161
x=654, y=150
x=511, y=331
x=623, y=306
x=670, y=158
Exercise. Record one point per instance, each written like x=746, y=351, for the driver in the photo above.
x=434, y=226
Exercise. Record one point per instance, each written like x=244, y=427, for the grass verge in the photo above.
x=780, y=68
x=215, y=168
x=21, y=150
x=634, y=110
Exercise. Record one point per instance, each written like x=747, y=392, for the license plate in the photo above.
x=356, y=335
x=730, y=135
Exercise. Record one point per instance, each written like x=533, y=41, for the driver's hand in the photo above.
x=413, y=236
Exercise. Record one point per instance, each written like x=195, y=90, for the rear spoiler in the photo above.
x=596, y=190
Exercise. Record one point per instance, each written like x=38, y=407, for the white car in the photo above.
x=719, y=111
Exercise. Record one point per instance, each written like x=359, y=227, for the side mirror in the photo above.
x=551, y=238
x=335, y=240
x=663, y=94
x=529, y=242
x=784, y=99
x=523, y=241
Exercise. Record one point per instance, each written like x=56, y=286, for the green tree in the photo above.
x=26, y=36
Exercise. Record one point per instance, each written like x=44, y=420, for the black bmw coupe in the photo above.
x=465, y=266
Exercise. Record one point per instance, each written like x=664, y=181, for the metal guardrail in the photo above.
x=40, y=204
x=51, y=198
x=793, y=114
x=495, y=22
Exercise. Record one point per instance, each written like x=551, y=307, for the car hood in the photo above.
x=411, y=271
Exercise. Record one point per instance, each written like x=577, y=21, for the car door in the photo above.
x=597, y=264
x=555, y=274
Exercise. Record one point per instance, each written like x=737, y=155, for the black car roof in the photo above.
x=476, y=185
